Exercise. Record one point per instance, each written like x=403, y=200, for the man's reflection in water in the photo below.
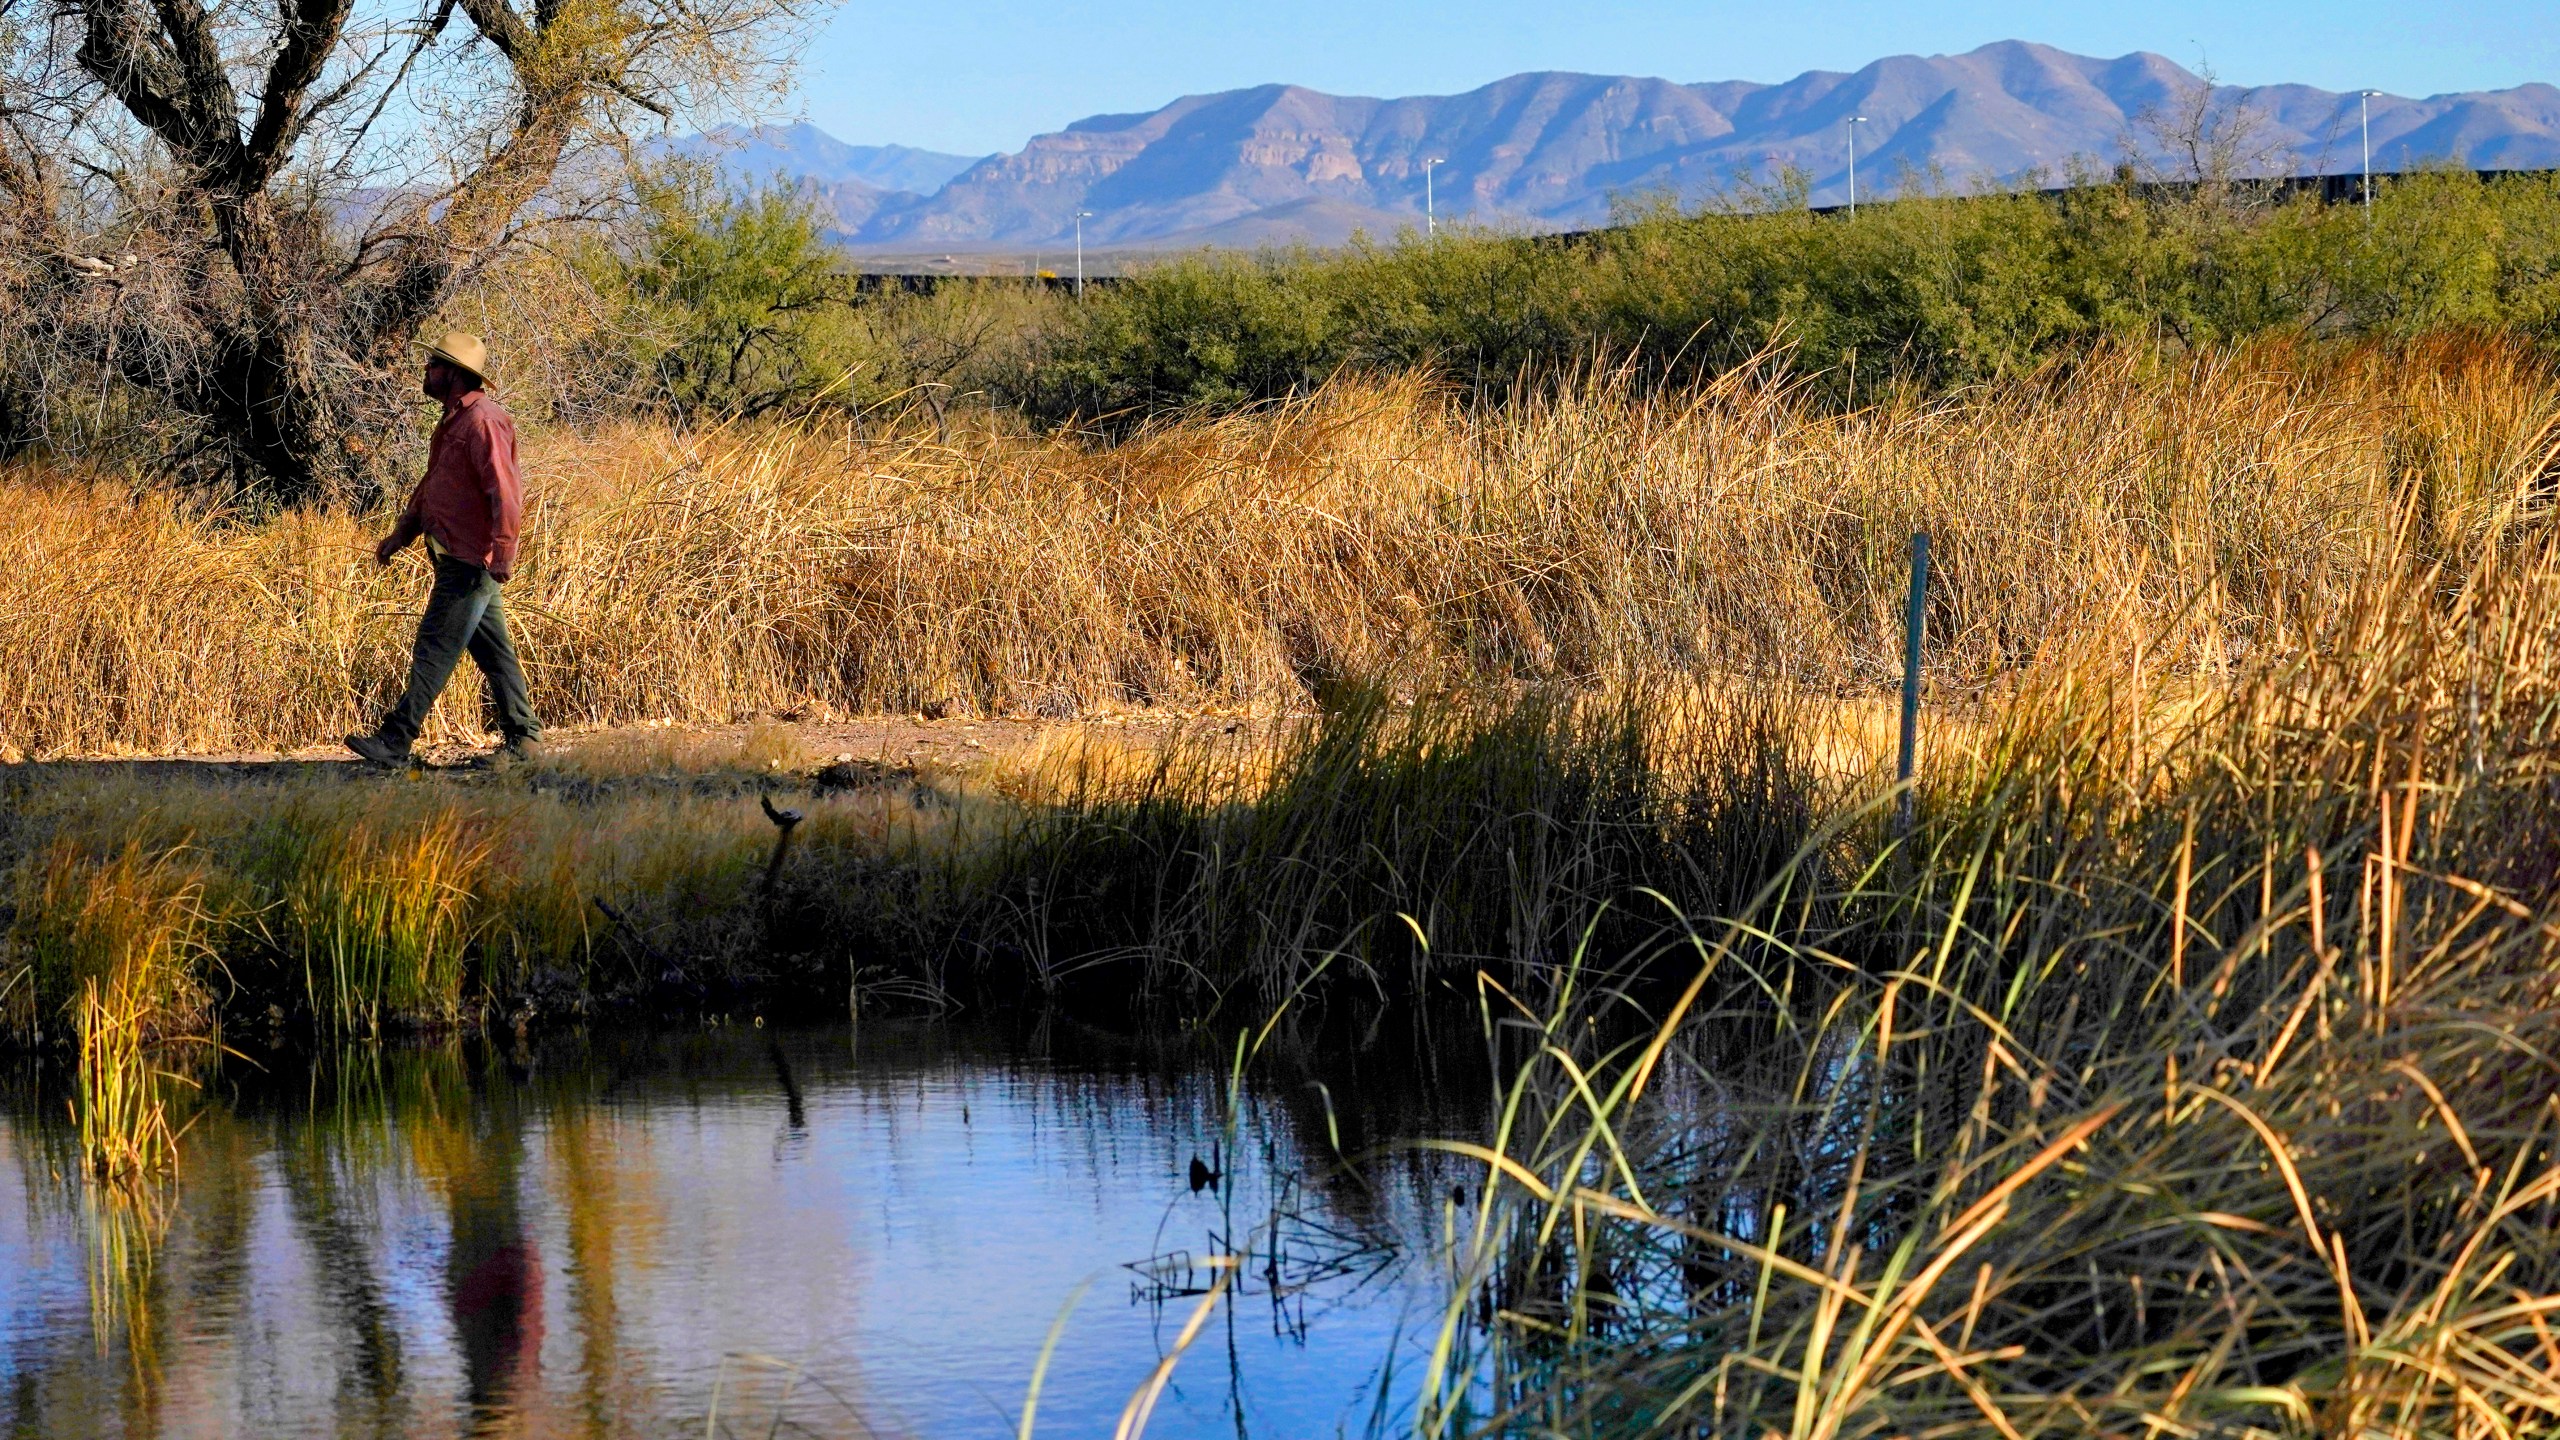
x=493, y=1275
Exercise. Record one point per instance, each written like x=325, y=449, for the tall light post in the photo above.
x=1430, y=206
x=2364, y=122
x=1081, y=217
x=1854, y=122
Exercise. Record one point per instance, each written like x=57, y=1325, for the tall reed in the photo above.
x=116, y=950
x=2186, y=1072
x=125, y=1130
x=2185, y=1067
x=1379, y=527
x=381, y=921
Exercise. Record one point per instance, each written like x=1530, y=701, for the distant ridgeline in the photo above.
x=1277, y=165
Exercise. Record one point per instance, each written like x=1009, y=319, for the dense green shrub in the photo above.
x=1931, y=289
x=724, y=304
x=718, y=303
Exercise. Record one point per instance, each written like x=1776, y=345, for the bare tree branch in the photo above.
x=311, y=31
x=136, y=68
x=499, y=24
x=268, y=321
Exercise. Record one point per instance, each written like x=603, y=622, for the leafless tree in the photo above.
x=247, y=209
x=2207, y=136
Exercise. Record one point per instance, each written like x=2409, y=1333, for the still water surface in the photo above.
x=729, y=1230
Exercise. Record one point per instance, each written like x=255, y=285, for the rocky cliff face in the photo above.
x=1553, y=150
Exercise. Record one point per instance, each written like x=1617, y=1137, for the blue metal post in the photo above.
x=1912, y=625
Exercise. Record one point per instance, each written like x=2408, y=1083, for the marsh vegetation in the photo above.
x=1527, y=609
x=2185, y=1061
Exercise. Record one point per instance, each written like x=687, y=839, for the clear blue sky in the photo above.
x=980, y=75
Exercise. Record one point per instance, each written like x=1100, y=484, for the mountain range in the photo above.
x=849, y=183
x=1553, y=150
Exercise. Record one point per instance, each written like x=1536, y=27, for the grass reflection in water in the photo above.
x=734, y=1227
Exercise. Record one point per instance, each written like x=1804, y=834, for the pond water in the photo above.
x=742, y=1231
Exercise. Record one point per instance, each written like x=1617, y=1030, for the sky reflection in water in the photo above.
x=635, y=1235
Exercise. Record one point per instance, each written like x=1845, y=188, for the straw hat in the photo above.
x=464, y=351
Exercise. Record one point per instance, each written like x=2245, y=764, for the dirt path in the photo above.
x=896, y=741
x=904, y=740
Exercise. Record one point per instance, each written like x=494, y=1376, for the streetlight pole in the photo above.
x=1854, y=122
x=1081, y=217
x=2364, y=122
x=1430, y=206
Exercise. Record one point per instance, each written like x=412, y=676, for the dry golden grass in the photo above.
x=2189, y=1069
x=2185, y=1069
x=1379, y=526
x=365, y=903
x=665, y=748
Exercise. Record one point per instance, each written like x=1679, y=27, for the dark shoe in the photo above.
x=377, y=750
x=522, y=747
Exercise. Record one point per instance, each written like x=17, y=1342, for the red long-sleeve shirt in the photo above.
x=472, y=499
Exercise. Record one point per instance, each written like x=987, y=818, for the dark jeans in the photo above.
x=463, y=613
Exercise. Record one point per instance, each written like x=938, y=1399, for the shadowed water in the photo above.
x=739, y=1231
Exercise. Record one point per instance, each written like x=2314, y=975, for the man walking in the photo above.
x=470, y=508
